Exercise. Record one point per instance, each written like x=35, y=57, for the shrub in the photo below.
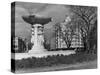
x=54, y=60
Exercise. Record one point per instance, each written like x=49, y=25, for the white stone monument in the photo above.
x=37, y=35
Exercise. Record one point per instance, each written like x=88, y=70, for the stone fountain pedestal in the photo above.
x=37, y=39
x=37, y=32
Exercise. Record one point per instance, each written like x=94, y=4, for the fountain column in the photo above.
x=37, y=39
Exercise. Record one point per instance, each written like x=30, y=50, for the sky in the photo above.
x=56, y=11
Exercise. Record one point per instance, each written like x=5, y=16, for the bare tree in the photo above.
x=88, y=16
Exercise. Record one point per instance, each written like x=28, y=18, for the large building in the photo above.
x=18, y=44
x=75, y=40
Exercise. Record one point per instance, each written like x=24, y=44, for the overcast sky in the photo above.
x=57, y=12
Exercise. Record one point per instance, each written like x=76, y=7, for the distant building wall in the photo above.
x=19, y=44
x=76, y=40
x=15, y=43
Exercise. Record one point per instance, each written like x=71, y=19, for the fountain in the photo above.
x=37, y=36
x=37, y=39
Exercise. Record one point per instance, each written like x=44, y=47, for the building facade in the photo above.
x=18, y=45
x=76, y=39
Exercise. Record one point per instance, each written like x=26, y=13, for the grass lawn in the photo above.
x=77, y=66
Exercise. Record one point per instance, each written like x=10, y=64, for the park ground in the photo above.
x=77, y=66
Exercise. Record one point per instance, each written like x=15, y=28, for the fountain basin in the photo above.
x=19, y=56
x=34, y=19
